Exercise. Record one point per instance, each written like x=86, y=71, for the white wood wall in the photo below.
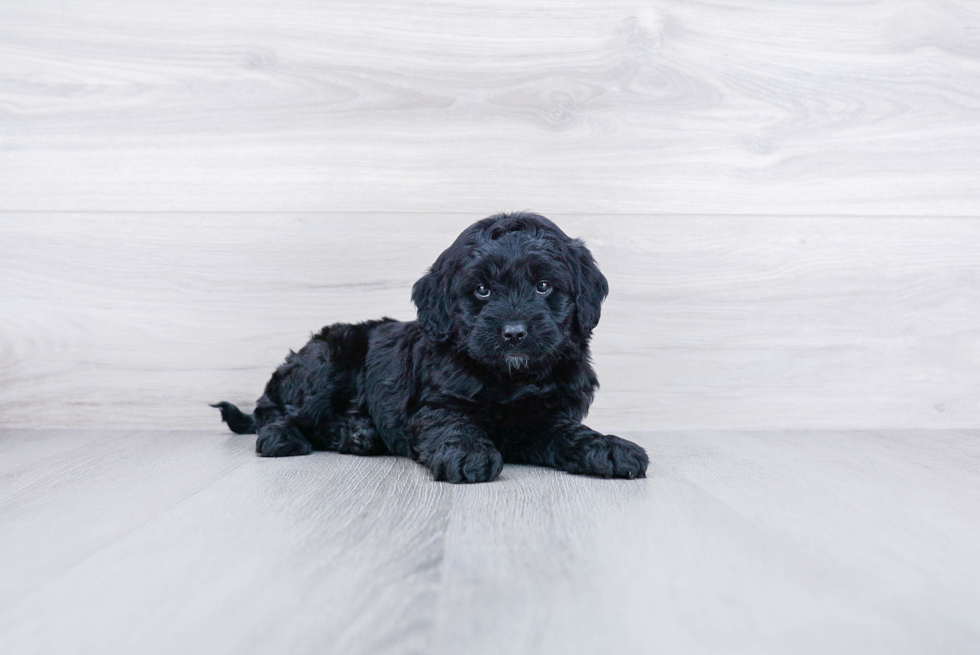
x=785, y=196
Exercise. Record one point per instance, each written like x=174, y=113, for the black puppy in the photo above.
x=496, y=368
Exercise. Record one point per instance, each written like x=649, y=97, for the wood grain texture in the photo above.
x=712, y=322
x=756, y=542
x=731, y=107
x=737, y=542
x=107, y=486
x=317, y=554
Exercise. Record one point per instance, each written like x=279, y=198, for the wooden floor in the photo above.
x=784, y=196
x=776, y=542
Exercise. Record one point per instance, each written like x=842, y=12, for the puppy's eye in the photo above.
x=482, y=291
x=542, y=287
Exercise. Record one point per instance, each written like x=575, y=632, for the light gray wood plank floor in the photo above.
x=755, y=542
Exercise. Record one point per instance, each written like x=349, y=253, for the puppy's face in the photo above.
x=514, y=305
x=511, y=293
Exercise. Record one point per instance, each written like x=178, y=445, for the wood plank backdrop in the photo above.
x=784, y=195
x=140, y=320
x=733, y=106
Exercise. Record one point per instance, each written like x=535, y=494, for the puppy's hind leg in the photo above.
x=281, y=439
x=354, y=433
x=278, y=435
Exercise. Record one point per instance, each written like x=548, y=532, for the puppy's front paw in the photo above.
x=608, y=456
x=471, y=462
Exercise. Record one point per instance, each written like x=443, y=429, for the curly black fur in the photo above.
x=495, y=369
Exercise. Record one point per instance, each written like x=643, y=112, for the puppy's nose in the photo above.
x=514, y=332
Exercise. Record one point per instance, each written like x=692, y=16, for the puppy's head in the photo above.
x=512, y=292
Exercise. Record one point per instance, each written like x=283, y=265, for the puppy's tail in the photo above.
x=236, y=420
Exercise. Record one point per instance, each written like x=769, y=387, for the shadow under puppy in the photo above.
x=495, y=369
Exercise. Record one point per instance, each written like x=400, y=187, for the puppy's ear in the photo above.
x=590, y=290
x=431, y=296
